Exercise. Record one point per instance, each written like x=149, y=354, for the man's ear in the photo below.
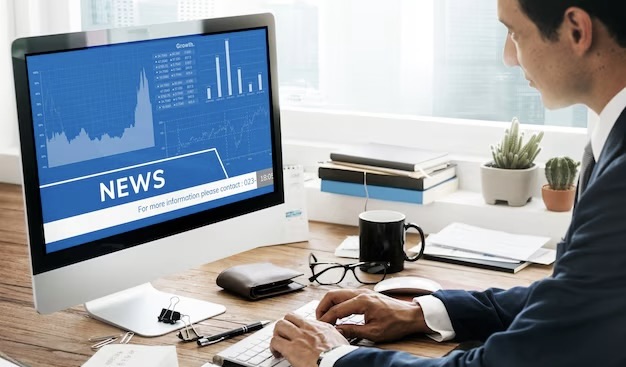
x=577, y=28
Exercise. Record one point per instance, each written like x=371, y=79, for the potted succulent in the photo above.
x=511, y=176
x=558, y=194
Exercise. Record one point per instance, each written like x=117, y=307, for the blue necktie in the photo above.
x=586, y=167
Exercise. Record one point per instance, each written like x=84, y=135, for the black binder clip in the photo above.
x=188, y=333
x=168, y=315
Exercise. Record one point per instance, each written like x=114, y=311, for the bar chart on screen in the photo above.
x=247, y=71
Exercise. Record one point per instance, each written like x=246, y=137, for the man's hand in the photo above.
x=301, y=341
x=386, y=318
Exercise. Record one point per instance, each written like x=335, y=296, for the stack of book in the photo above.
x=389, y=172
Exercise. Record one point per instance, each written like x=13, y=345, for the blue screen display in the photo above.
x=134, y=134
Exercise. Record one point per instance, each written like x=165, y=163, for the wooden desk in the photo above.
x=60, y=339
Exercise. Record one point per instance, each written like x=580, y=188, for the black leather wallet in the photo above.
x=259, y=280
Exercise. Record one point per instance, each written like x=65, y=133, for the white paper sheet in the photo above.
x=485, y=241
x=543, y=256
x=6, y=363
x=348, y=248
x=132, y=355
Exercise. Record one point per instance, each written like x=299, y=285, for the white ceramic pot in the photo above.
x=513, y=186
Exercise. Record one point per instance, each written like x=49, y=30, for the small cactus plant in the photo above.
x=561, y=172
x=511, y=154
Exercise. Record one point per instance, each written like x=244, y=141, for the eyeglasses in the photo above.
x=327, y=273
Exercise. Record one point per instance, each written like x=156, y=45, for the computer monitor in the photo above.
x=144, y=151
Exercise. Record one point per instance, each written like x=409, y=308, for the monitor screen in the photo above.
x=134, y=135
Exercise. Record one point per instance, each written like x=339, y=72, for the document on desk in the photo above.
x=132, y=355
x=6, y=361
x=348, y=248
x=496, y=243
x=543, y=256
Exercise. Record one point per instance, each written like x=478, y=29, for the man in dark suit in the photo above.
x=572, y=51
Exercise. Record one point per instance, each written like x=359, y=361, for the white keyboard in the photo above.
x=254, y=351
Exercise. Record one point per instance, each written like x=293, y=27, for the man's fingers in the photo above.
x=332, y=298
x=358, y=331
x=297, y=320
x=278, y=345
x=350, y=331
x=286, y=329
x=355, y=305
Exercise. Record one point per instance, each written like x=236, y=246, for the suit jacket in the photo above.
x=576, y=317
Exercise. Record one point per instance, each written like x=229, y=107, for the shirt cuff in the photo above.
x=436, y=318
x=335, y=354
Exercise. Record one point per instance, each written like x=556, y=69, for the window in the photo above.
x=419, y=57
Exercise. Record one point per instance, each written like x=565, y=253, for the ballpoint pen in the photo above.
x=207, y=340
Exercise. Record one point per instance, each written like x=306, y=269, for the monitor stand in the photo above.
x=137, y=309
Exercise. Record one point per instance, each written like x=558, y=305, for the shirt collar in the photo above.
x=608, y=118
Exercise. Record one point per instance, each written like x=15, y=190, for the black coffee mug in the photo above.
x=381, y=238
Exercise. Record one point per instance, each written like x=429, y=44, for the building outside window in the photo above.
x=439, y=58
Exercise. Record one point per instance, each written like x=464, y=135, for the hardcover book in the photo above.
x=333, y=172
x=390, y=156
x=391, y=193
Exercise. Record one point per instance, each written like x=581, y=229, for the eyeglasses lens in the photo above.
x=329, y=274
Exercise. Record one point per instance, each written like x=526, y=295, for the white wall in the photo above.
x=21, y=18
x=8, y=121
x=9, y=165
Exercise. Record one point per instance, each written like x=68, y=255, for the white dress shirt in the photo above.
x=608, y=118
x=435, y=313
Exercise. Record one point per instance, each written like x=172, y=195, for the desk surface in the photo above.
x=60, y=339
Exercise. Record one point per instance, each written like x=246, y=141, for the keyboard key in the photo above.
x=268, y=362
x=243, y=358
x=256, y=360
x=283, y=363
x=266, y=354
x=258, y=349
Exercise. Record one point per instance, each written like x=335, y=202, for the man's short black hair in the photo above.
x=548, y=15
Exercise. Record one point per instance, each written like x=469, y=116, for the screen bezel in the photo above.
x=43, y=261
